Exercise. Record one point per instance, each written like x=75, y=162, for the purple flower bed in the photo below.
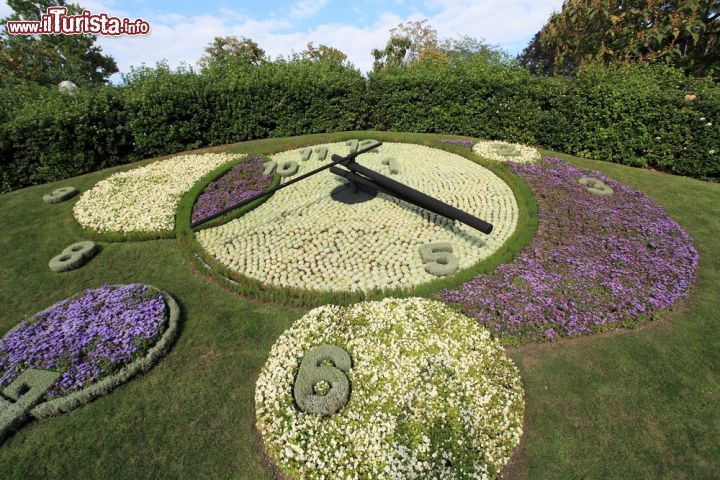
x=467, y=143
x=595, y=262
x=242, y=181
x=86, y=337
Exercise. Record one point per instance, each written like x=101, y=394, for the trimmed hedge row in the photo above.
x=49, y=136
x=632, y=115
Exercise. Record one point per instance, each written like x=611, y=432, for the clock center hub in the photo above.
x=353, y=193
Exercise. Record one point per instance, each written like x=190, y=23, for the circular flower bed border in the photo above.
x=105, y=385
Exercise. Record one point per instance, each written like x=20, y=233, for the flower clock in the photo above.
x=391, y=389
x=334, y=232
x=80, y=349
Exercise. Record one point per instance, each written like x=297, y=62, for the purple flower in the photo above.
x=467, y=143
x=595, y=262
x=86, y=337
x=242, y=181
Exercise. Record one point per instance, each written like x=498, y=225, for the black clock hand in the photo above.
x=408, y=194
x=335, y=161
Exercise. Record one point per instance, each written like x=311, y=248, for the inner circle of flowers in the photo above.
x=302, y=238
x=489, y=149
x=144, y=199
x=432, y=396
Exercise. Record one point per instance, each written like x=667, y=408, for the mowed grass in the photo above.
x=637, y=404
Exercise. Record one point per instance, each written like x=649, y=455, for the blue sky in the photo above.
x=180, y=30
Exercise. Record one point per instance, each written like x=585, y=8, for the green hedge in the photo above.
x=50, y=136
x=47, y=136
x=283, y=99
x=631, y=115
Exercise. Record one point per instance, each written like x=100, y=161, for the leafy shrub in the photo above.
x=49, y=136
x=283, y=98
x=634, y=115
x=167, y=111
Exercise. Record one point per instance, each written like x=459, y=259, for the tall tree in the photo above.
x=413, y=42
x=232, y=51
x=682, y=33
x=323, y=54
x=466, y=48
x=50, y=59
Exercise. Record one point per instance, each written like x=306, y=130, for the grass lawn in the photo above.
x=635, y=404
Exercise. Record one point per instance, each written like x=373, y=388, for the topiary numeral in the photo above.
x=60, y=195
x=353, y=144
x=506, y=150
x=305, y=154
x=367, y=143
x=598, y=187
x=313, y=371
x=393, y=164
x=21, y=395
x=439, y=259
x=288, y=168
x=321, y=153
x=269, y=167
x=74, y=256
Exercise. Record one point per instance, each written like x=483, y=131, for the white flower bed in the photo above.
x=432, y=396
x=506, y=152
x=302, y=238
x=144, y=199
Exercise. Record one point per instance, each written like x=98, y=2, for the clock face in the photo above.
x=323, y=234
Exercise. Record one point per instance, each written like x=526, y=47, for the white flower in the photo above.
x=303, y=238
x=144, y=199
x=430, y=389
x=506, y=152
x=709, y=124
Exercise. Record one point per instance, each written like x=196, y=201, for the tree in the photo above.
x=409, y=43
x=231, y=51
x=467, y=48
x=681, y=33
x=323, y=54
x=50, y=59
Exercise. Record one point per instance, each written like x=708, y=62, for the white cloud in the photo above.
x=307, y=8
x=497, y=21
x=5, y=10
x=179, y=38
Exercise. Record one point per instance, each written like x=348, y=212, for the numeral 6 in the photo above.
x=312, y=371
